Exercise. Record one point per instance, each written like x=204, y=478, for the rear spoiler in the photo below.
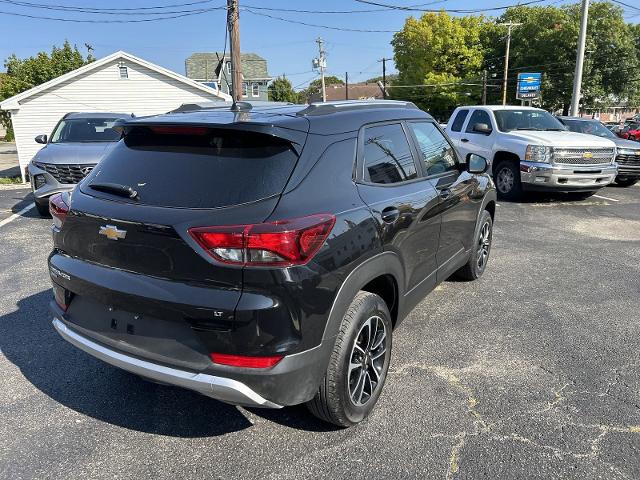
x=296, y=137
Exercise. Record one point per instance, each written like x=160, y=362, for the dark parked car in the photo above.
x=263, y=256
x=627, y=151
x=77, y=143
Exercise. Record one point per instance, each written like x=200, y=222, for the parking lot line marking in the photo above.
x=606, y=198
x=16, y=215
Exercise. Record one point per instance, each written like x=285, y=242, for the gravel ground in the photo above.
x=530, y=372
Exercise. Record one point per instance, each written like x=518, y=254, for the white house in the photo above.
x=119, y=82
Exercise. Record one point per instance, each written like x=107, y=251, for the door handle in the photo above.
x=390, y=214
x=464, y=140
x=445, y=193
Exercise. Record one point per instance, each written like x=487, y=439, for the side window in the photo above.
x=461, y=116
x=437, y=153
x=387, y=155
x=479, y=116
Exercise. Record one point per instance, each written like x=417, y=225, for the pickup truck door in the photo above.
x=473, y=141
x=454, y=127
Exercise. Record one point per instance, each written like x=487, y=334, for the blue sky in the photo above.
x=289, y=48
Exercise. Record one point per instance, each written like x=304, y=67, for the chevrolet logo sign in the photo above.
x=587, y=155
x=112, y=232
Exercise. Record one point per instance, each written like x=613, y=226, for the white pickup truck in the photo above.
x=529, y=149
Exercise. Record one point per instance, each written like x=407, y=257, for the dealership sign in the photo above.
x=529, y=86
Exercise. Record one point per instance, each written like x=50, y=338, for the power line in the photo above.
x=109, y=11
x=476, y=10
x=139, y=20
x=298, y=22
x=295, y=10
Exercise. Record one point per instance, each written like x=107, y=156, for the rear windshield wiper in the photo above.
x=115, y=189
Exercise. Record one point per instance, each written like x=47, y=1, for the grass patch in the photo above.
x=10, y=180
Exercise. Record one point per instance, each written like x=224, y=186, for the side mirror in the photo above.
x=41, y=139
x=482, y=128
x=476, y=163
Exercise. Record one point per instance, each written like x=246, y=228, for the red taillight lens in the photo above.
x=280, y=243
x=245, y=361
x=58, y=209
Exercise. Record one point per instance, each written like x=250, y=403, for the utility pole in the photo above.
x=484, y=87
x=233, y=25
x=321, y=63
x=509, y=26
x=384, y=76
x=577, y=77
x=346, y=85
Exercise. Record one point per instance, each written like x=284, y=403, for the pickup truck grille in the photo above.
x=629, y=160
x=583, y=156
x=66, y=173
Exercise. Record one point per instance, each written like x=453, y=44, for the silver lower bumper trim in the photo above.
x=220, y=388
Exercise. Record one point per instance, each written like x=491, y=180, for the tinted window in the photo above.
x=456, y=126
x=85, y=130
x=438, y=155
x=387, y=155
x=196, y=167
x=592, y=127
x=479, y=116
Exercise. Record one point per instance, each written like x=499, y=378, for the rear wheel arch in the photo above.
x=503, y=155
x=381, y=274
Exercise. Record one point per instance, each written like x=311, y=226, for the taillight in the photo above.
x=245, y=361
x=58, y=209
x=280, y=243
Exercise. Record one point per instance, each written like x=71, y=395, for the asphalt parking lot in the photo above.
x=531, y=372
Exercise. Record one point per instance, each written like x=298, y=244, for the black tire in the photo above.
x=626, y=182
x=334, y=402
x=479, y=257
x=506, y=175
x=42, y=208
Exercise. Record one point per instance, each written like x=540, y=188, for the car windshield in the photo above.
x=85, y=130
x=526, y=120
x=592, y=127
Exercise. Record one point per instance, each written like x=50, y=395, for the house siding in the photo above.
x=144, y=92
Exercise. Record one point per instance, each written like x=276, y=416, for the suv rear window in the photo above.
x=457, y=123
x=196, y=167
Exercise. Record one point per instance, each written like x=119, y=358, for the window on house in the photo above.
x=245, y=89
x=229, y=67
x=124, y=73
x=255, y=89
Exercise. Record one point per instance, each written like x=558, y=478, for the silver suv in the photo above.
x=77, y=143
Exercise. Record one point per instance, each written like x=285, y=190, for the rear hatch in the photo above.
x=138, y=280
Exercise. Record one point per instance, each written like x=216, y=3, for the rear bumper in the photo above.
x=566, y=178
x=220, y=388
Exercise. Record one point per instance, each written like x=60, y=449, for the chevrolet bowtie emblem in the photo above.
x=587, y=155
x=112, y=232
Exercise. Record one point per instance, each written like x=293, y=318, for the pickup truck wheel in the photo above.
x=479, y=257
x=42, y=208
x=507, y=178
x=359, y=362
x=626, y=182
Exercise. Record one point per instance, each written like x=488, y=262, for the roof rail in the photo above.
x=242, y=106
x=324, y=108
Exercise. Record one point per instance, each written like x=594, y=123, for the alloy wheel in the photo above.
x=484, y=244
x=505, y=180
x=367, y=360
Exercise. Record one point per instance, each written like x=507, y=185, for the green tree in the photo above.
x=546, y=42
x=315, y=87
x=444, y=54
x=280, y=90
x=23, y=74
